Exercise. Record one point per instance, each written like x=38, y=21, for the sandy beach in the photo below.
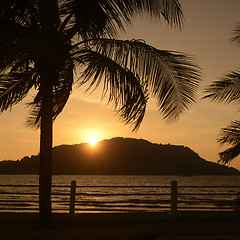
x=100, y=226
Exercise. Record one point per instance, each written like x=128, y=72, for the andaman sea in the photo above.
x=88, y=201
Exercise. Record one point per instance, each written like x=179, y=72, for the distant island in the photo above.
x=121, y=156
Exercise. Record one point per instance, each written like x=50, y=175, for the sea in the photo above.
x=114, y=180
x=121, y=193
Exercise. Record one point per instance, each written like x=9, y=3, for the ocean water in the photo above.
x=142, y=180
x=96, y=193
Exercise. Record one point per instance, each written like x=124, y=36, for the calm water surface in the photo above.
x=86, y=180
x=90, y=198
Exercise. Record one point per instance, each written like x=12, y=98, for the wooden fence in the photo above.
x=99, y=199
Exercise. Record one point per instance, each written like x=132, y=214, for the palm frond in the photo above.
x=229, y=154
x=226, y=90
x=14, y=87
x=230, y=136
x=11, y=51
x=126, y=93
x=22, y=12
x=170, y=9
x=95, y=18
x=171, y=76
x=18, y=44
x=236, y=34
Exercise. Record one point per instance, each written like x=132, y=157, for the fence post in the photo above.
x=174, y=196
x=72, y=197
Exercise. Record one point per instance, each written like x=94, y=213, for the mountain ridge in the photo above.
x=121, y=156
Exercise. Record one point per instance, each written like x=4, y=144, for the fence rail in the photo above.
x=78, y=199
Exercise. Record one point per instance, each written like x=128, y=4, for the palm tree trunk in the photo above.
x=49, y=18
x=45, y=168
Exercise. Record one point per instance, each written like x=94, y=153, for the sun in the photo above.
x=92, y=136
x=92, y=140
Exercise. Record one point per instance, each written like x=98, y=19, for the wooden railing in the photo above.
x=99, y=199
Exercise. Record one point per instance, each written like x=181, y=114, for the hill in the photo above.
x=126, y=156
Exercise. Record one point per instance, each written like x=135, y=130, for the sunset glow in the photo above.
x=92, y=140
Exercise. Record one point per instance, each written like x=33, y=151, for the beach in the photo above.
x=122, y=226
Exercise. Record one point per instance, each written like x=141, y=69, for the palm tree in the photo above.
x=42, y=42
x=227, y=90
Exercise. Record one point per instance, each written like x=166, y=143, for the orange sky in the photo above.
x=206, y=34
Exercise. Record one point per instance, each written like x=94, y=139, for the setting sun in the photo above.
x=91, y=136
x=92, y=140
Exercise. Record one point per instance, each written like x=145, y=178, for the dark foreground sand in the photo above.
x=97, y=226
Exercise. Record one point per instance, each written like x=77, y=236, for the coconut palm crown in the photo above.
x=43, y=42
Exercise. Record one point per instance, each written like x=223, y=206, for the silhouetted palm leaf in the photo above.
x=236, y=34
x=225, y=90
x=229, y=154
x=171, y=76
x=123, y=88
x=94, y=18
x=14, y=87
x=231, y=136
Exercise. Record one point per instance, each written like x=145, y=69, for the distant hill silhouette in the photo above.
x=126, y=156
